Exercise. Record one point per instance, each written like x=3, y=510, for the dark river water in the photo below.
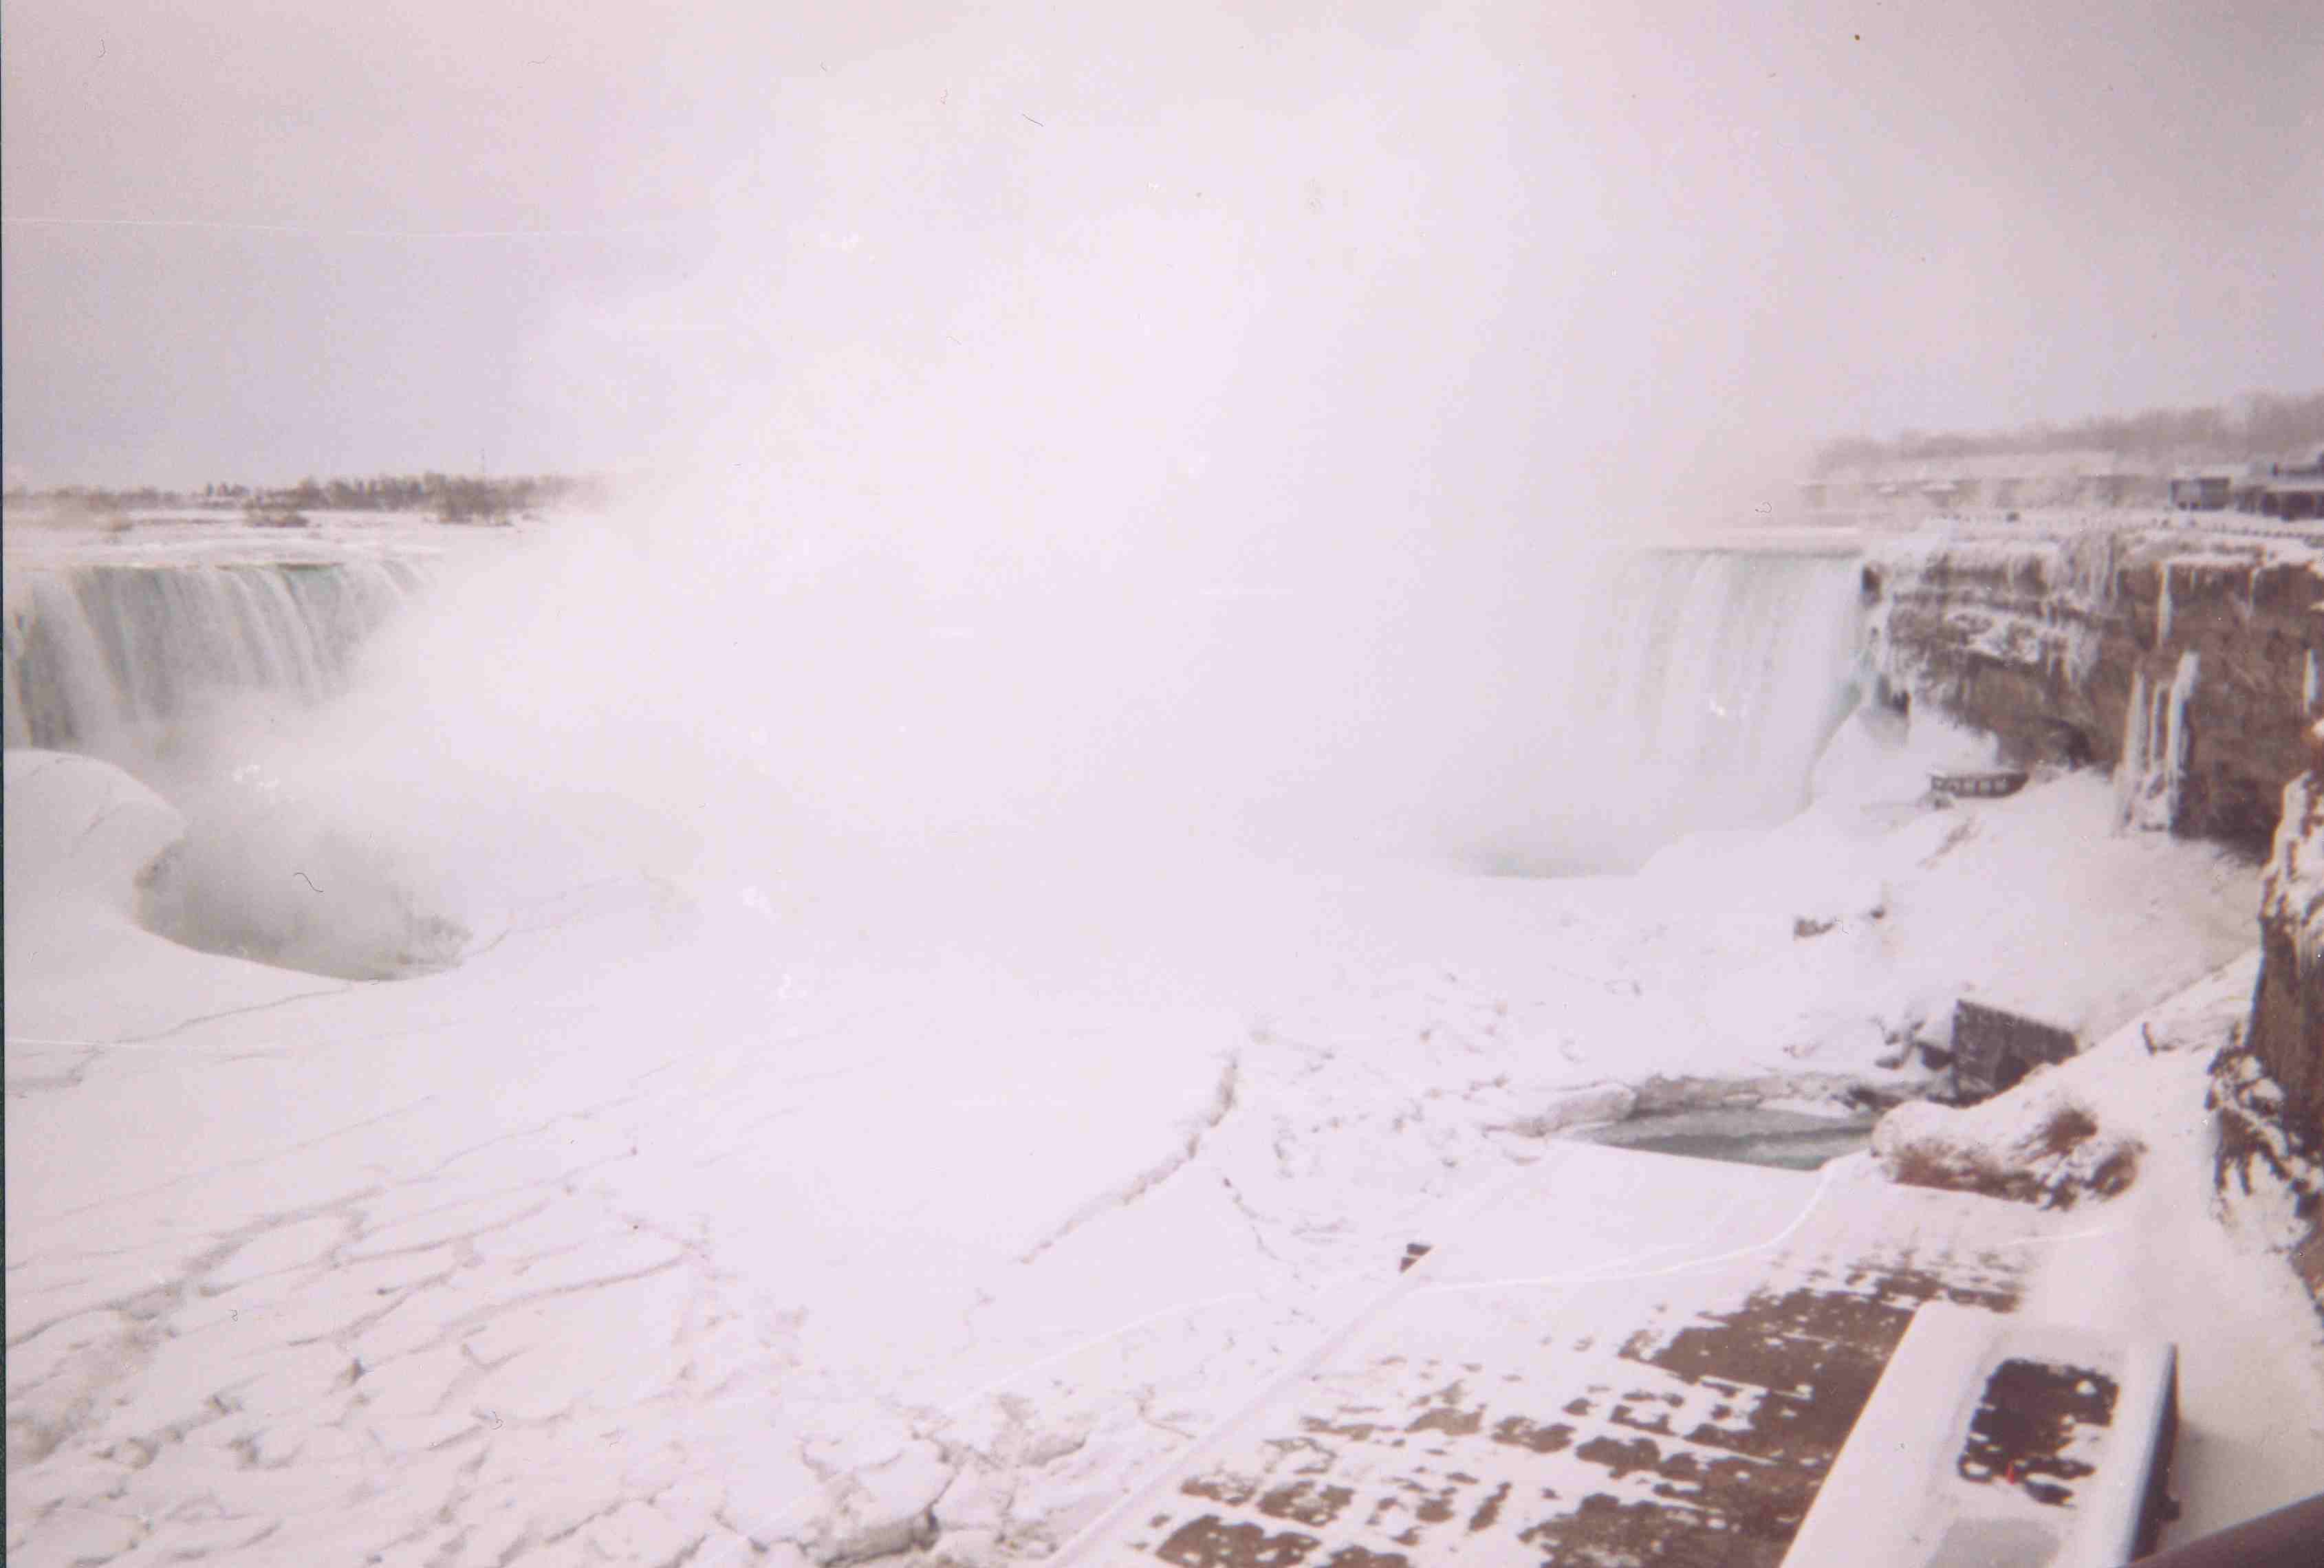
x=1744, y=1136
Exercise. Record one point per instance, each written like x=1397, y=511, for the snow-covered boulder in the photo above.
x=79, y=830
x=2042, y=1145
x=267, y=871
x=80, y=967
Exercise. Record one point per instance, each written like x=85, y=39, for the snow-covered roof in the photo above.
x=2069, y=465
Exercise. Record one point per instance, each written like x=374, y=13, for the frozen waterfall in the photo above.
x=106, y=659
x=1697, y=691
x=1631, y=699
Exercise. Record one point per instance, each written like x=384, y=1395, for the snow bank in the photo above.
x=1843, y=938
x=261, y=872
x=2163, y=1259
x=79, y=830
x=798, y=1215
x=2041, y=1145
x=661, y=1223
x=252, y=874
x=80, y=969
x=2159, y=1257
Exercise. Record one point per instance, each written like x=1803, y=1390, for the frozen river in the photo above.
x=769, y=1205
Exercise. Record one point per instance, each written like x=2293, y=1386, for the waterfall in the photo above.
x=2177, y=737
x=104, y=658
x=151, y=666
x=1640, y=697
x=2150, y=781
x=1699, y=687
x=1729, y=663
x=2130, y=773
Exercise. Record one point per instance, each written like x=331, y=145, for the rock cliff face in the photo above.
x=2267, y=1093
x=2192, y=666
x=2184, y=663
x=2287, y=1022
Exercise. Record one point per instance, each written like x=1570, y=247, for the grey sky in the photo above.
x=1473, y=258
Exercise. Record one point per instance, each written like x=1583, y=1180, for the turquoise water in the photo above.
x=1742, y=1135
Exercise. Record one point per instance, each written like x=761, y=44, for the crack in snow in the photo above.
x=1223, y=1103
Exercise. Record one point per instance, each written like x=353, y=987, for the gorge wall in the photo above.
x=2287, y=1025
x=2191, y=666
x=2181, y=662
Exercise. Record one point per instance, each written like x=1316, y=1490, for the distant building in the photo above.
x=2291, y=491
x=1909, y=488
x=2298, y=500
x=2202, y=490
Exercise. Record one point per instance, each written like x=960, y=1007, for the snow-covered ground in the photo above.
x=2164, y=1259
x=742, y=1218
x=189, y=536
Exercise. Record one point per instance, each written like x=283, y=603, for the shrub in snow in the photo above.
x=2032, y=1146
x=2270, y=1174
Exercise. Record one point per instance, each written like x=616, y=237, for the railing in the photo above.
x=2289, y=1537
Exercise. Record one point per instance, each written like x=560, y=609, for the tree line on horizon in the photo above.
x=2265, y=427
x=451, y=497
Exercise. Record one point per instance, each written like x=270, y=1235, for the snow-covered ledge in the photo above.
x=2287, y=1024
x=2174, y=660
x=1997, y=1440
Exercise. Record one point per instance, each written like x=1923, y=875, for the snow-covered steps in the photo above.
x=1617, y=1356
x=2000, y=1441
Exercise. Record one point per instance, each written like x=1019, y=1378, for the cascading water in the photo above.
x=105, y=659
x=1663, y=692
x=1731, y=664
x=1700, y=687
x=163, y=668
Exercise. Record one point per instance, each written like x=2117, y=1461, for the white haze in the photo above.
x=1143, y=504
x=1074, y=453
x=1135, y=430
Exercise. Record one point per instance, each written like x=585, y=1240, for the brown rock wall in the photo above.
x=2043, y=643
x=2287, y=1021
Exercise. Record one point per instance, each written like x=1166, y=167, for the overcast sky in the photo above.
x=1479, y=255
